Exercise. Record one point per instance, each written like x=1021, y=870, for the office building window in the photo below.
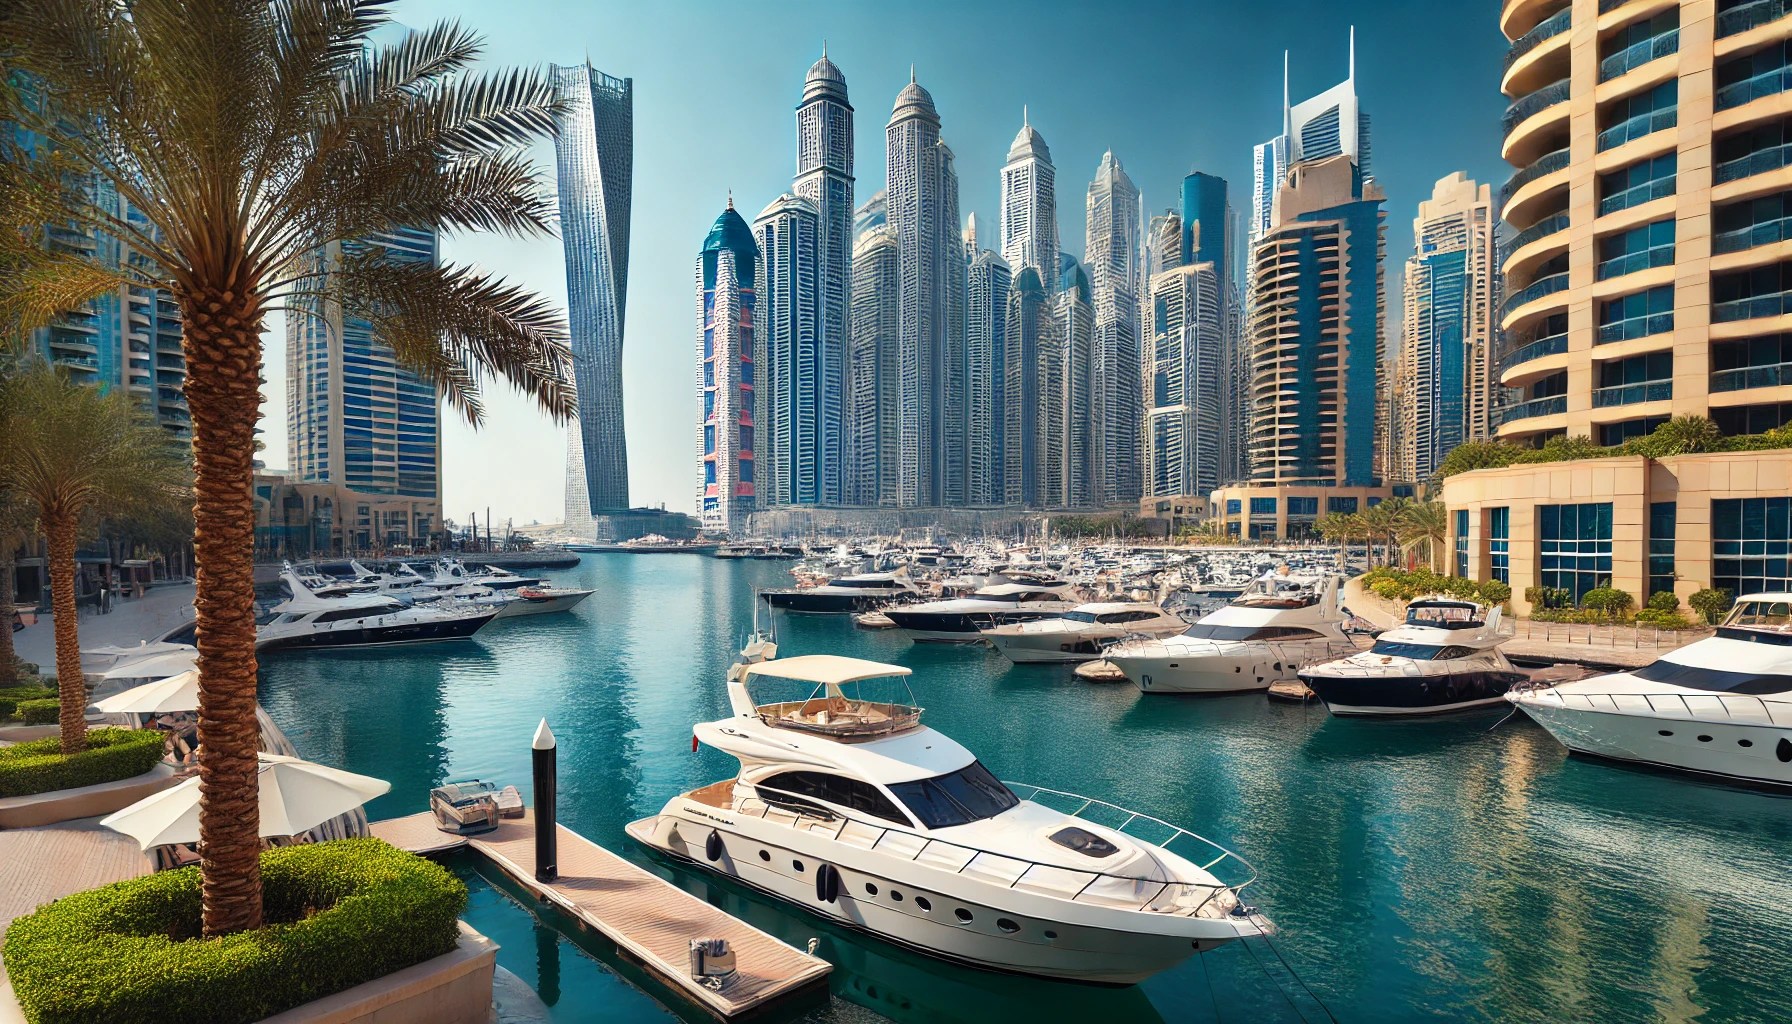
x=1751, y=544
x=1462, y=543
x=1499, y=544
x=1298, y=506
x=1234, y=506
x=1263, y=506
x=1574, y=546
x=1342, y=506
x=1662, y=516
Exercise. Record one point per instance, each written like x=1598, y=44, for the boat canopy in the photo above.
x=824, y=669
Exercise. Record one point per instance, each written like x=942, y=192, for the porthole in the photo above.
x=1006, y=925
x=1665, y=732
x=925, y=905
x=1783, y=750
x=870, y=889
x=1049, y=934
x=765, y=855
x=895, y=896
x=1704, y=739
x=1745, y=743
x=963, y=915
x=798, y=865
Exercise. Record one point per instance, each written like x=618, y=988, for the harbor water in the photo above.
x=1457, y=869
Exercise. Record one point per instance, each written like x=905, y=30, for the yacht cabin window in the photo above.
x=956, y=798
x=1206, y=631
x=1128, y=616
x=1715, y=680
x=791, y=789
x=1419, y=652
x=1761, y=614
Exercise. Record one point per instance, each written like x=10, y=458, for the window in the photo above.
x=1637, y=184
x=1263, y=506
x=1750, y=294
x=1084, y=842
x=1637, y=315
x=1638, y=43
x=1753, y=151
x=1751, y=544
x=746, y=471
x=1614, y=434
x=709, y=439
x=746, y=439
x=1233, y=506
x=1499, y=544
x=810, y=789
x=1662, y=516
x=1303, y=506
x=1574, y=547
x=1644, y=378
x=966, y=795
x=1640, y=248
x=1753, y=76
x=1419, y=652
x=1462, y=543
x=1343, y=506
x=1643, y=114
x=1204, y=631
x=1751, y=223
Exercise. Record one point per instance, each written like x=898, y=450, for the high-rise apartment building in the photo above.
x=1068, y=391
x=824, y=176
x=922, y=203
x=985, y=321
x=727, y=307
x=1112, y=251
x=1330, y=124
x=594, y=148
x=1210, y=234
x=874, y=371
x=798, y=390
x=1443, y=391
x=1184, y=417
x=1030, y=205
x=1029, y=336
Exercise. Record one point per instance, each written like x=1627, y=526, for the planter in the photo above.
x=82, y=801
x=454, y=988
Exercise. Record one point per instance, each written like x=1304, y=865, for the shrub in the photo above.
x=339, y=913
x=1495, y=592
x=11, y=698
x=1547, y=598
x=40, y=766
x=1390, y=590
x=40, y=712
x=1663, y=601
x=1611, y=601
x=1662, y=619
x=1712, y=603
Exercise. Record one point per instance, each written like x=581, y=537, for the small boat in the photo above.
x=1444, y=657
x=540, y=600
x=1081, y=633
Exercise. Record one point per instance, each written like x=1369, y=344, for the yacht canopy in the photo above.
x=825, y=669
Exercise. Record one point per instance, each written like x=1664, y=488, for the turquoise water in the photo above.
x=1424, y=870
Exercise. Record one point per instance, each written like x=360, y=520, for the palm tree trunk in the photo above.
x=8, y=656
x=222, y=338
x=59, y=530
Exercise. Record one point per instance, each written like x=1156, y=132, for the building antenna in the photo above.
x=731, y=199
x=911, y=74
x=1352, y=75
x=1287, y=123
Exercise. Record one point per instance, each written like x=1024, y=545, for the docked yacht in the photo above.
x=308, y=620
x=1720, y=707
x=1263, y=636
x=1445, y=657
x=960, y=620
x=844, y=594
x=849, y=807
x=1081, y=633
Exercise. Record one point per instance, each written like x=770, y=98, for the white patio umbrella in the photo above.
x=296, y=796
x=155, y=666
x=140, y=649
x=175, y=693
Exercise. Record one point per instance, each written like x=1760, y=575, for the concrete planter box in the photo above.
x=454, y=988
x=84, y=801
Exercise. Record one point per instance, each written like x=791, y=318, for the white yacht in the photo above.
x=959, y=620
x=307, y=620
x=844, y=594
x=1263, y=636
x=852, y=809
x=1720, y=707
x=1444, y=657
x=1081, y=633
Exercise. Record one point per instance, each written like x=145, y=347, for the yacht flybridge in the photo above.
x=1445, y=657
x=1720, y=707
x=848, y=806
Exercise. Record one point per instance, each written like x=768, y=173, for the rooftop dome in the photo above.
x=914, y=100
x=1028, y=143
x=730, y=232
x=824, y=79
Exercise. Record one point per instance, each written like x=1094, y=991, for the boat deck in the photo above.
x=651, y=921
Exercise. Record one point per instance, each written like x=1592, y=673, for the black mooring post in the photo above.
x=547, y=847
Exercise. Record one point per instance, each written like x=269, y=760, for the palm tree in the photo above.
x=1688, y=435
x=1375, y=523
x=1426, y=524
x=70, y=451
x=15, y=519
x=263, y=149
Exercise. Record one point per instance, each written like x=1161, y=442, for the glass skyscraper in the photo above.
x=1112, y=252
x=874, y=373
x=726, y=329
x=1030, y=205
x=824, y=176
x=986, y=316
x=798, y=391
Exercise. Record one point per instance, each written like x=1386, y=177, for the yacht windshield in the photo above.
x=1203, y=631
x=1080, y=616
x=1717, y=680
x=966, y=795
x=1399, y=649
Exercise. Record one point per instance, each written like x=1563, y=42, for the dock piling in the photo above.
x=545, y=753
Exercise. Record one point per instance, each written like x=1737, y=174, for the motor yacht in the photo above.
x=843, y=594
x=1444, y=657
x=1720, y=707
x=307, y=620
x=847, y=806
x=1263, y=636
x=1081, y=633
x=450, y=572
x=959, y=620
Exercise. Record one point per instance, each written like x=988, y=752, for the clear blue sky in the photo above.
x=1169, y=86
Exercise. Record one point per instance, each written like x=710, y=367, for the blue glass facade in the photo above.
x=1499, y=544
x=1751, y=544
x=1204, y=222
x=1574, y=546
x=1462, y=543
x=1663, y=517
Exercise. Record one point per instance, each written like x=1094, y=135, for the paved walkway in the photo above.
x=141, y=618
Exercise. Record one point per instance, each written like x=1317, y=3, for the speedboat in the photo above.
x=1262, y=637
x=846, y=805
x=843, y=594
x=1720, y=707
x=540, y=600
x=959, y=620
x=307, y=620
x=1445, y=657
x=1081, y=633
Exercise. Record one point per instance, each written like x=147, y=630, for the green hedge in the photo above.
x=12, y=697
x=340, y=913
x=40, y=712
x=1391, y=584
x=112, y=754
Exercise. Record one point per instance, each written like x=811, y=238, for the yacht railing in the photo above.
x=1734, y=707
x=1129, y=892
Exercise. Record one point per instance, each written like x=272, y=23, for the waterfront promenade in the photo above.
x=160, y=609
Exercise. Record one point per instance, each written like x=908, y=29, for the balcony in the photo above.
x=1535, y=233
x=1548, y=28
x=1637, y=54
x=1637, y=127
x=1631, y=262
x=1745, y=377
x=1768, y=83
x=1764, y=233
x=1637, y=195
x=1535, y=290
x=1551, y=406
x=1759, y=162
x=1633, y=394
x=1554, y=344
x=1634, y=327
x=1526, y=106
x=1746, y=16
x=1548, y=163
x=1755, y=307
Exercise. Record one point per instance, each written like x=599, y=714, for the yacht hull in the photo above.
x=1245, y=671
x=958, y=627
x=1047, y=648
x=461, y=628
x=542, y=606
x=1391, y=696
x=955, y=928
x=808, y=602
x=1711, y=748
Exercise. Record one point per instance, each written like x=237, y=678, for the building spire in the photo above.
x=1023, y=116
x=1287, y=114
x=1352, y=75
x=911, y=74
x=731, y=199
x=824, y=49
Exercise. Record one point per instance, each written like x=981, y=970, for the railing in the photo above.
x=1607, y=6
x=1606, y=635
x=1701, y=707
x=1762, y=233
x=1530, y=103
x=1637, y=127
x=1548, y=28
x=1639, y=53
x=1535, y=407
x=1752, y=15
x=1631, y=394
x=1637, y=195
x=1631, y=262
x=1542, y=229
x=1759, y=162
x=1073, y=884
x=1535, y=290
x=1549, y=346
x=1753, y=308
x=1548, y=163
x=1745, y=377
x=1767, y=83
x=1634, y=327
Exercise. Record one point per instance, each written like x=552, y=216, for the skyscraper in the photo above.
x=1210, y=235
x=798, y=393
x=1030, y=206
x=986, y=315
x=1030, y=330
x=1112, y=251
x=824, y=176
x=594, y=147
x=922, y=200
x=1184, y=415
x=1071, y=433
x=1330, y=124
x=1443, y=388
x=726, y=326
x=874, y=371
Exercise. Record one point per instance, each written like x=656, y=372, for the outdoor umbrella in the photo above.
x=175, y=693
x=139, y=649
x=155, y=666
x=296, y=796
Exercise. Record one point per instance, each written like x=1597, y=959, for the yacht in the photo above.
x=308, y=620
x=844, y=594
x=1081, y=633
x=846, y=805
x=959, y=620
x=1720, y=707
x=1263, y=636
x=450, y=572
x=540, y=600
x=1444, y=657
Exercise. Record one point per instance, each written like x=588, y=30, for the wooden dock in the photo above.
x=651, y=921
